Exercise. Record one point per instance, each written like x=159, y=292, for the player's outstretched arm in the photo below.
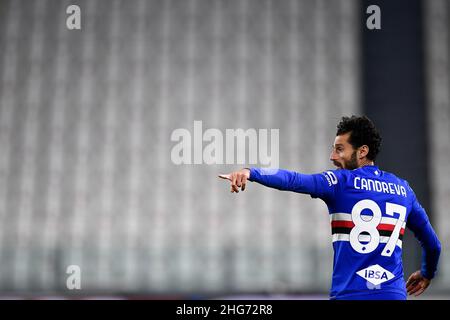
x=417, y=283
x=238, y=179
x=316, y=185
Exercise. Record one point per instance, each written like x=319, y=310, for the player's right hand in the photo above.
x=417, y=283
x=238, y=179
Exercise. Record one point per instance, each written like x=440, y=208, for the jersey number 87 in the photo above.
x=370, y=226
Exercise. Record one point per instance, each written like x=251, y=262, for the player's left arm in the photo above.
x=419, y=223
x=321, y=185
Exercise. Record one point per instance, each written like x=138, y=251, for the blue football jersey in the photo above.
x=369, y=210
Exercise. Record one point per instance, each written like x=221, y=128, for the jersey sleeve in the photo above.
x=320, y=185
x=419, y=223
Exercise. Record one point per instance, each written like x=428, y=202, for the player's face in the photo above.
x=343, y=155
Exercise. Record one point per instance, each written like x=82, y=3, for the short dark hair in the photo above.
x=362, y=132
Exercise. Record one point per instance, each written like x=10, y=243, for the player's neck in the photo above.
x=366, y=162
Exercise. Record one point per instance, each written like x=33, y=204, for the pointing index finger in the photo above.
x=225, y=176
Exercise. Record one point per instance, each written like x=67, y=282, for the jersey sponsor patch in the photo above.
x=375, y=274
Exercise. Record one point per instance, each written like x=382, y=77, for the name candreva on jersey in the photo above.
x=378, y=186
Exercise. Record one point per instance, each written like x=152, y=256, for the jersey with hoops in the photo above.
x=369, y=210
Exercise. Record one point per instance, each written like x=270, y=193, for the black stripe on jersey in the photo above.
x=387, y=233
x=383, y=233
x=340, y=230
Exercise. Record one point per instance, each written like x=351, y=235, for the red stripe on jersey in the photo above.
x=388, y=227
x=342, y=224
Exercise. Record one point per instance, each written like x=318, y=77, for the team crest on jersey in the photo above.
x=375, y=274
x=331, y=178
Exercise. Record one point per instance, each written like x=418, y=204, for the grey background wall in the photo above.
x=86, y=118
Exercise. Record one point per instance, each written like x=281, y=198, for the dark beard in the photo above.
x=352, y=163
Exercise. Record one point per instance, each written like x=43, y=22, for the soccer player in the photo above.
x=369, y=209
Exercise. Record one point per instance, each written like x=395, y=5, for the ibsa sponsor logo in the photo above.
x=375, y=274
x=331, y=178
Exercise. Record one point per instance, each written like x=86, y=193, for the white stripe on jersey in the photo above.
x=340, y=217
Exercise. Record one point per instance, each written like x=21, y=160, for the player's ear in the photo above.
x=363, y=151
